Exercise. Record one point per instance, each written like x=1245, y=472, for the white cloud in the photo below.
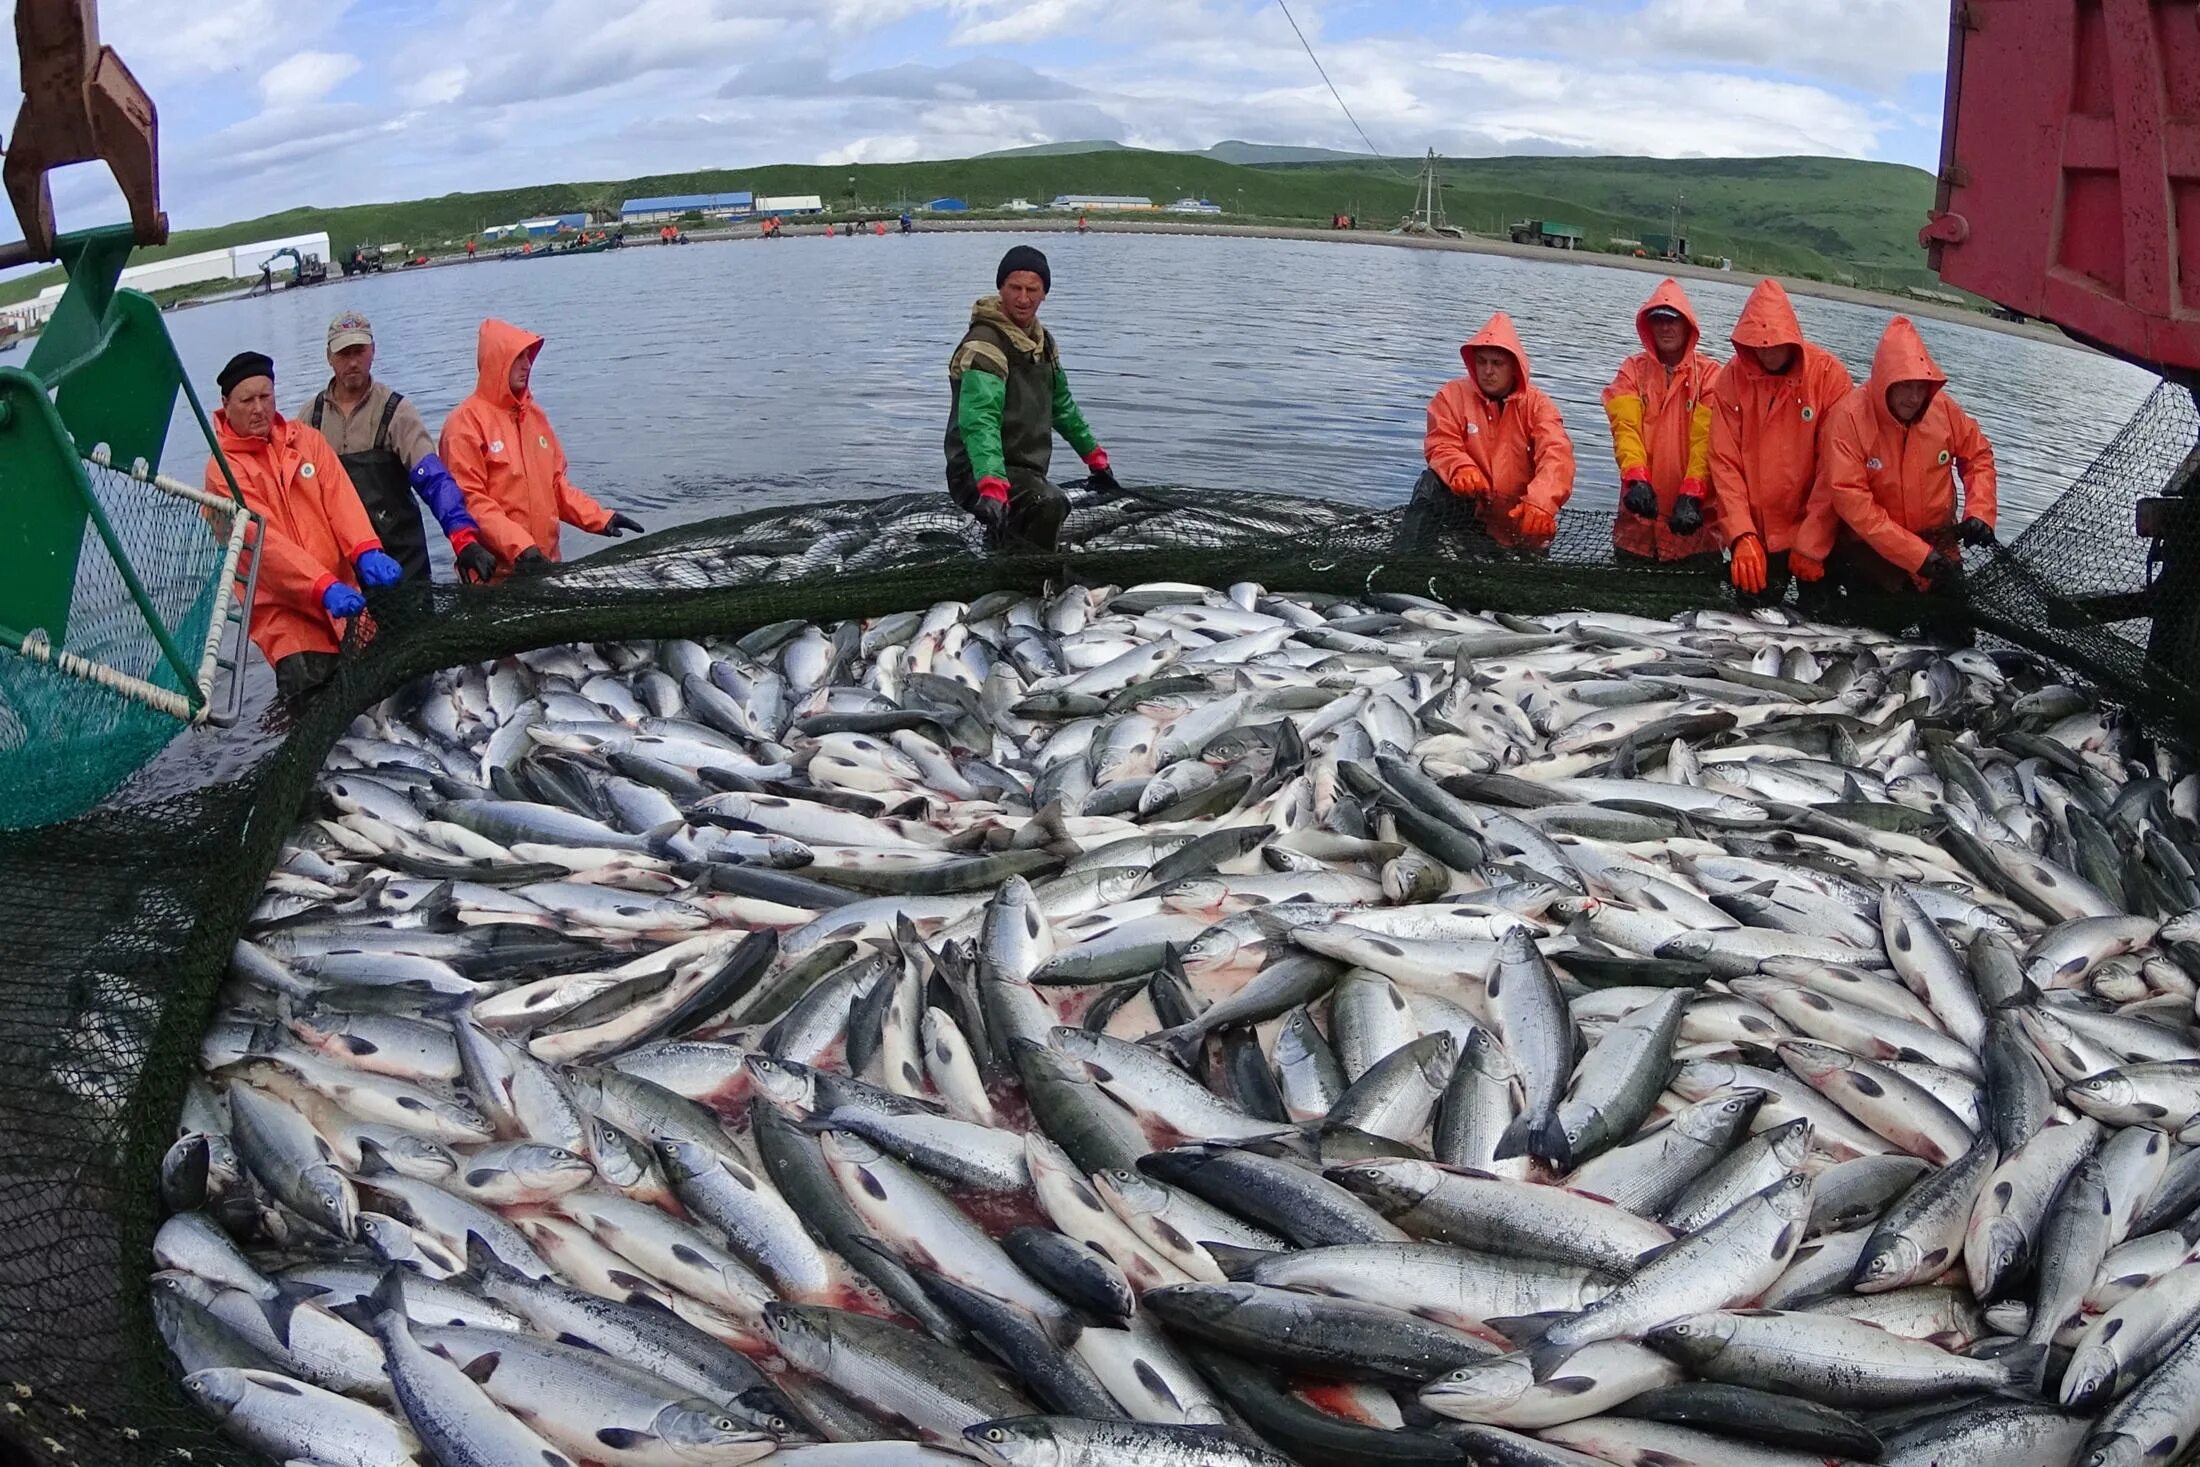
x=306, y=77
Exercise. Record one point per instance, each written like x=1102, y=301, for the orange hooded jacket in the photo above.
x=1895, y=485
x=316, y=529
x=1765, y=428
x=1661, y=431
x=1508, y=451
x=506, y=457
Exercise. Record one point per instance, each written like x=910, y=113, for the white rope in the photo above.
x=217, y=625
x=38, y=649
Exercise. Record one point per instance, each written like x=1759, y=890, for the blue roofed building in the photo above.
x=674, y=206
x=947, y=206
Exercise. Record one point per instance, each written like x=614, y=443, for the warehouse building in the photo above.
x=676, y=206
x=239, y=262
x=780, y=205
x=1107, y=203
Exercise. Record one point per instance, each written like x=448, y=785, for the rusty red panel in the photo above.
x=2070, y=168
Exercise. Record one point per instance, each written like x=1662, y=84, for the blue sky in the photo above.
x=270, y=104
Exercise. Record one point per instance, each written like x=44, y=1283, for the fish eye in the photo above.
x=725, y=1423
x=995, y=1434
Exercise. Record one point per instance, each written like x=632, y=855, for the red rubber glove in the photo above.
x=1805, y=568
x=1469, y=482
x=994, y=489
x=992, y=506
x=1749, y=565
x=1537, y=525
x=1097, y=460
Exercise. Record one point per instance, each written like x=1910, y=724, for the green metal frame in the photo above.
x=104, y=373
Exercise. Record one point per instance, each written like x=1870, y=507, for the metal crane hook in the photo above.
x=80, y=104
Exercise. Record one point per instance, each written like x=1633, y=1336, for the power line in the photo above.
x=1380, y=156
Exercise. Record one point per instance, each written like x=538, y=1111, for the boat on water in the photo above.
x=554, y=252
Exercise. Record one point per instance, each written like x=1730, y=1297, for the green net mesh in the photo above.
x=118, y=924
x=68, y=741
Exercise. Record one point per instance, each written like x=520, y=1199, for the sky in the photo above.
x=274, y=104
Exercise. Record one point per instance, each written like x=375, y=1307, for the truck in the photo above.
x=2069, y=192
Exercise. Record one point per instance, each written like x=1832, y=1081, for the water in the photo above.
x=720, y=377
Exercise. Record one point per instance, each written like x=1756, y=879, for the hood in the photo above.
x=1902, y=357
x=501, y=344
x=1500, y=334
x=988, y=312
x=1768, y=319
x=1669, y=295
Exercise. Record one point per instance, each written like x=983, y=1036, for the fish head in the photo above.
x=845, y=1148
x=1198, y=1303
x=1389, y=1185
x=1474, y=1392
x=2118, y=1449
x=1695, y=1341
x=1439, y=1053
x=390, y=1239
x=2110, y=1089
x=1486, y=1055
x=1689, y=946
x=1886, y=1265
x=800, y=1332
x=541, y=1165
x=1810, y=1061
x=1128, y=1192
x=1997, y=1253
x=683, y=1160
x=1790, y=1196
x=1701, y=1079
x=1023, y=1441
x=783, y=1082
x=697, y=1431
x=221, y=1390
x=1516, y=946
x=1720, y=1115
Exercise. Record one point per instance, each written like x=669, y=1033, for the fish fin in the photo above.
x=481, y=1258
x=1543, y=1139
x=2027, y=1367
x=372, y=1161
x=481, y=1367
x=1181, y=1044
x=1237, y=1264
x=288, y=1297
x=660, y=838
x=1525, y=1330
x=619, y=1438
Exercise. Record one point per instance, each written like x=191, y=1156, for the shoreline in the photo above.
x=1472, y=244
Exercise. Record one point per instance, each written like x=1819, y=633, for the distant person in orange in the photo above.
x=317, y=548
x=1659, y=406
x=1893, y=453
x=500, y=447
x=1496, y=447
x=469, y=249
x=1768, y=408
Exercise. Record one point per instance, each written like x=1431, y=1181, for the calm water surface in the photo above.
x=720, y=377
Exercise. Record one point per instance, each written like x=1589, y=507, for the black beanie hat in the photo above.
x=1023, y=257
x=243, y=367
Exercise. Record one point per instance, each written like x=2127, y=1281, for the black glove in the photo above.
x=1975, y=531
x=991, y=513
x=531, y=562
x=621, y=523
x=1940, y=570
x=1687, y=515
x=477, y=564
x=1638, y=498
x=1104, y=483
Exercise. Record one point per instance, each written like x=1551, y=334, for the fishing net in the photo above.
x=68, y=741
x=117, y=925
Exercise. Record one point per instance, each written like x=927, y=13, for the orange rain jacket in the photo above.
x=506, y=457
x=1765, y=428
x=1895, y=485
x=1507, y=451
x=316, y=529
x=1661, y=431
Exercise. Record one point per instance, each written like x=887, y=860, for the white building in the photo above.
x=791, y=204
x=1020, y=206
x=246, y=259
x=1194, y=206
x=241, y=262
x=1104, y=203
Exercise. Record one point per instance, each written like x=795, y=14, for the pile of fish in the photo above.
x=1165, y=1026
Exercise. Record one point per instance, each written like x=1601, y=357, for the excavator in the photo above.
x=307, y=270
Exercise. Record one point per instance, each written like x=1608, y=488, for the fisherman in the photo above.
x=318, y=548
x=389, y=457
x=1496, y=448
x=1009, y=397
x=1893, y=453
x=1660, y=410
x=1768, y=407
x=500, y=447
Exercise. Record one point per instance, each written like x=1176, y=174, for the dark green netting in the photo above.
x=116, y=926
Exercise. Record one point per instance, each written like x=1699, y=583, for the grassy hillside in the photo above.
x=1821, y=217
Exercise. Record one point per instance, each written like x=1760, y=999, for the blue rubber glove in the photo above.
x=341, y=601
x=377, y=569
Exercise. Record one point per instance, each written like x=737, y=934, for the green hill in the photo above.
x=1818, y=217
